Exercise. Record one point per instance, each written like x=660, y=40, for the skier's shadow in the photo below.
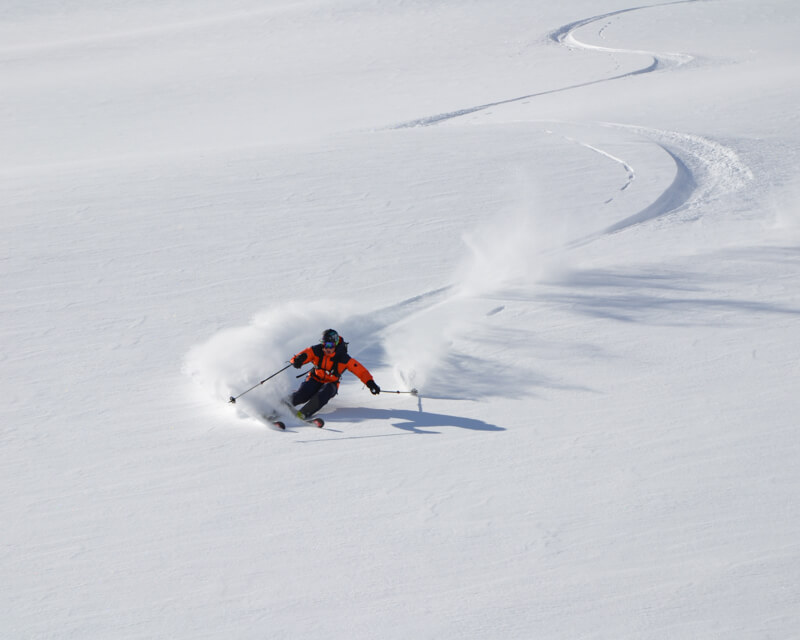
x=411, y=421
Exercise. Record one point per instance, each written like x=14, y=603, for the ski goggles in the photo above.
x=329, y=345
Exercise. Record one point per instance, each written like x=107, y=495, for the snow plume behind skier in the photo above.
x=330, y=361
x=234, y=358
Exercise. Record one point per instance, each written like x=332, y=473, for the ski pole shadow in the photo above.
x=422, y=422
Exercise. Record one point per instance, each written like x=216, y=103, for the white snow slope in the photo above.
x=573, y=226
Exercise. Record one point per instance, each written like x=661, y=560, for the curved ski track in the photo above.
x=565, y=35
x=704, y=169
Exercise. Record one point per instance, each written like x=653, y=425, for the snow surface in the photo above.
x=572, y=225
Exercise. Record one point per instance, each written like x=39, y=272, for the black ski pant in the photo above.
x=315, y=394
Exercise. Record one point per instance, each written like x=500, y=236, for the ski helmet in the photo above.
x=330, y=337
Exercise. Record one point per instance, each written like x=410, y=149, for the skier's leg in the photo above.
x=320, y=399
x=305, y=391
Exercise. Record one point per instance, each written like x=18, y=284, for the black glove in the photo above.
x=374, y=388
x=298, y=360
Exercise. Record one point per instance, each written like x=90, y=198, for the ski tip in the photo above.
x=279, y=425
x=318, y=422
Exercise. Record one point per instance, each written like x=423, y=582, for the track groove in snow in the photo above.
x=565, y=36
x=704, y=169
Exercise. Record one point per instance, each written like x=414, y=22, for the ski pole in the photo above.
x=413, y=392
x=233, y=400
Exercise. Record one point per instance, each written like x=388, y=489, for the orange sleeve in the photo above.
x=310, y=357
x=359, y=370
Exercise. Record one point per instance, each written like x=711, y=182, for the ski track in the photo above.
x=566, y=36
x=629, y=170
x=704, y=170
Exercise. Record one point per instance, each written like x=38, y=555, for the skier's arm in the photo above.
x=359, y=370
x=306, y=355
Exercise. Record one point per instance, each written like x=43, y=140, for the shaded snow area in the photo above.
x=572, y=226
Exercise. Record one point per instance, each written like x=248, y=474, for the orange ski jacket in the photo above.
x=329, y=368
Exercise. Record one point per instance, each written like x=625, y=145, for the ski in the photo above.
x=317, y=422
x=273, y=421
x=314, y=422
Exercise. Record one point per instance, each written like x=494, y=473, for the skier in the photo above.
x=330, y=361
